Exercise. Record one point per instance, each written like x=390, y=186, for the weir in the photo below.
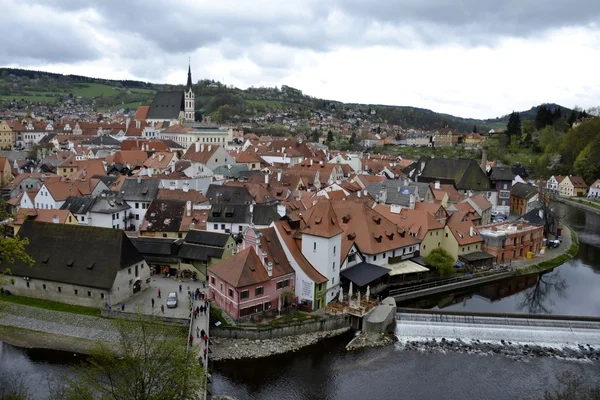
x=567, y=331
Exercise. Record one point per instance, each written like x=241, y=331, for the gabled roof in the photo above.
x=144, y=190
x=465, y=174
x=218, y=194
x=179, y=194
x=577, y=181
x=242, y=269
x=203, y=155
x=78, y=205
x=479, y=202
x=501, y=174
x=275, y=253
x=461, y=230
x=321, y=220
x=523, y=190
x=166, y=106
x=414, y=221
x=163, y=216
x=73, y=254
x=141, y=113
x=60, y=191
x=213, y=239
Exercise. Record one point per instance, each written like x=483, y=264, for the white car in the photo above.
x=172, y=300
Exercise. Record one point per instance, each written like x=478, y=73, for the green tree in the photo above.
x=474, y=128
x=11, y=248
x=513, y=127
x=587, y=163
x=441, y=260
x=549, y=140
x=329, y=138
x=146, y=363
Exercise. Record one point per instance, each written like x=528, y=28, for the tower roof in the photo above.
x=189, y=81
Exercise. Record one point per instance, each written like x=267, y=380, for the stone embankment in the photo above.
x=366, y=340
x=516, y=351
x=234, y=349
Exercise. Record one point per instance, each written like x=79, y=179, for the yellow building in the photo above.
x=7, y=137
x=473, y=139
x=43, y=215
x=572, y=186
x=461, y=238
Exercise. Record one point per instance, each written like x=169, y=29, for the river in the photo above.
x=327, y=371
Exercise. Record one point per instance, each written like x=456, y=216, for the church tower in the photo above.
x=190, y=103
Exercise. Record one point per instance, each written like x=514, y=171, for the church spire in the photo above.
x=189, y=81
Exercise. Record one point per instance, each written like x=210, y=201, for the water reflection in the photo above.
x=541, y=297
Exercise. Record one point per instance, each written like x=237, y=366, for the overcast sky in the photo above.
x=471, y=58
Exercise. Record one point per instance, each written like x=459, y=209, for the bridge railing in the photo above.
x=443, y=282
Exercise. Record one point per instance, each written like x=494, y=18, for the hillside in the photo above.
x=23, y=88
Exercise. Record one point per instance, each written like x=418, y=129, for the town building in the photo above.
x=524, y=198
x=501, y=179
x=594, y=192
x=572, y=186
x=80, y=265
x=553, y=182
x=512, y=241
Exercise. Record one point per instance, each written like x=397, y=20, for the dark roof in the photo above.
x=520, y=171
x=166, y=106
x=476, y=256
x=78, y=205
x=145, y=190
x=465, y=174
x=198, y=252
x=189, y=81
x=219, y=194
x=533, y=217
x=157, y=250
x=364, y=273
x=108, y=203
x=231, y=171
x=396, y=192
x=523, y=190
x=230, y=213
x=75, y=254
x=206, y=238
x=501, y=174
x=108, y=180
x=164, y=216
x=102, y=141
x=264, y=214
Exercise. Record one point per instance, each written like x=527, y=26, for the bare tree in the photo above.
x=538, y=299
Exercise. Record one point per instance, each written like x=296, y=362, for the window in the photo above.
x=89, y=294
x=334, y=265
x=75, y=291
x=180, y=235
x=446, y=235
x=375, y=257
x=384, y=254
x=101, y=295
x=69, y=218
x=333, y=281
x=282, y=284
x=334, y=250
x=259, y=291
x=44, y=286
x=137, y=205
x=244, y=294
x=315, y=246
x=424, y=247
x=164, y=235
x=59, y=289
x=239, y=228
x=129, y=271
x=27, y=284
x=267, y=305
x=468, y=248
x=212, y=280
x=221, y=287
x=222, y=226
x=230, y=293
x=137, y=217
x=216, y=227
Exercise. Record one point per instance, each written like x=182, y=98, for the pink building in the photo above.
x=253, y=280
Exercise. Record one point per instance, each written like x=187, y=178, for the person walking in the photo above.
x=153, y=302
x=122, y=306
x=202, y=333
x=205, y=353
x=191, y=340
x=162, y=308
x=197, y=332
x=180, y=288
x=205, y=339
x=159, y=293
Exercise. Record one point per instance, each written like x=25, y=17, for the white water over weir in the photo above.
x=548, y=332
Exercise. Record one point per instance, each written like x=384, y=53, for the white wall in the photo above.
x=123, y=286
x=142, y=207
x=44, y=200
x=327, y=253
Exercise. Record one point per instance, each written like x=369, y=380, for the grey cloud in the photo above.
x=181, y=27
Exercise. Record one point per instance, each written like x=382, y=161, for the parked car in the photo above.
x=172, y=300
x=553, y=244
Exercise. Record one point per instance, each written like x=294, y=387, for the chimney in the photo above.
x=541, y=213
x=358, y=194
x=137, y=124
x=186, y=187
x=411, y=201
x=278, y=175
x=251, y=208
x=197, y=146
x=281, y=210
x=436, y=185
x=365, y=192
x=270, y=268
x=471, y=231
x=209, y=147
x=406, y=182
x=202, y=148
x=311, y=161
x=484, y=159
x=188, y=208
x=267, y=179
x=55, y=219
x=127, y=122
x=139, y=179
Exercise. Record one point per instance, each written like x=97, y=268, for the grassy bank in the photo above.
x=50, y=305
x=43, y=340
x=555, y=262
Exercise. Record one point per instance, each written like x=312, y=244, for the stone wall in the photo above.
x=381, y=318
x=273, y=332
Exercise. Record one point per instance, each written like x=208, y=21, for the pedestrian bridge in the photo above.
x=554, y=330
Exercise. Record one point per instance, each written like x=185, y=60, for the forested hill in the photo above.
x=22, y=88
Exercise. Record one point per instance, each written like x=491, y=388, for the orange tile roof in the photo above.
x=461, y=232
x=242, y=269
x=141, y=112
x=321, y=220
x=419, y=222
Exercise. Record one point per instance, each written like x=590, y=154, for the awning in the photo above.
x=404, y=267
x=364, y=273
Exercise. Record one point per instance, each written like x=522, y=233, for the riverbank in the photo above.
x=581, y=204
x=235, y=349
x=570, y=242
x=30, y=339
